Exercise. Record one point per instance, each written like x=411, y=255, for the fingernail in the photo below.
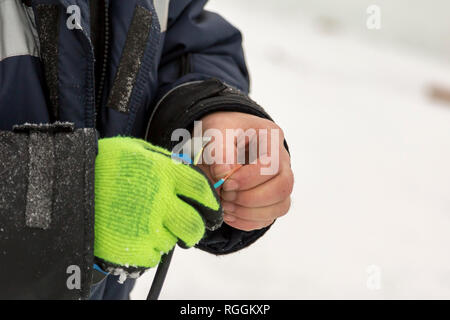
x=230, y=185
x=221, y=170
x=229, y=195
x=229, y=218
x=228, y=207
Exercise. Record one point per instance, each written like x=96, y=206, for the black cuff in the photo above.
x=188, y=103
x=47, y=212
x=228, y=239
x=179, y=109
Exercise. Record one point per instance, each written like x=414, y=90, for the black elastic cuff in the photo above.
x=117, y=270
x=228, y=240
x=188, y=103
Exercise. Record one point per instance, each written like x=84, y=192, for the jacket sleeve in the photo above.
x=46, y=212
x=202, y=70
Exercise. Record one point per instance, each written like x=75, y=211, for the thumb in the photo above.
x=230, y=158
x=219, y=171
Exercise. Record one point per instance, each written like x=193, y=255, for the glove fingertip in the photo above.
x=213, y=218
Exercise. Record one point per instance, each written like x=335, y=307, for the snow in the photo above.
x=370, y=152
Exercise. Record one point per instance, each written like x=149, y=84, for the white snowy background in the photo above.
x=370, y=151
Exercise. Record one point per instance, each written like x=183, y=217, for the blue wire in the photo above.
x=96, y=267
x=219, y=183
x=183, y=157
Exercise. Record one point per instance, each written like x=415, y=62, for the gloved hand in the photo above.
x=145, y=203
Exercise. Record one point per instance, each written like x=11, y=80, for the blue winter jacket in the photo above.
x=143, y=69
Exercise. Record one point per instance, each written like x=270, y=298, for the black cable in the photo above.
x=160, y=276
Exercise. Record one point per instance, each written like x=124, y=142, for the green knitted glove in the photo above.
x=145, y=202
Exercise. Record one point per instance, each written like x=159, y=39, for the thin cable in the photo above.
x=160, y=276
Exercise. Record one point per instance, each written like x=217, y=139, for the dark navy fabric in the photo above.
x=111, y=289
x=213, y=45
x=19, y=104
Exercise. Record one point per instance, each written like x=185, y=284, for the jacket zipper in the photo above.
x=101, y=83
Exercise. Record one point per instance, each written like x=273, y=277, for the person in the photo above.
x=90, y=95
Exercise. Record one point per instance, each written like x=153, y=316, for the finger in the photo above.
x=249, y=176
x=213, y=218
x=245, y=225
x=267, y=194
x=185, y=223
x=262, y=214
x=206, y=170
x=259, y=149
x=225, y=155
x=219, y=157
